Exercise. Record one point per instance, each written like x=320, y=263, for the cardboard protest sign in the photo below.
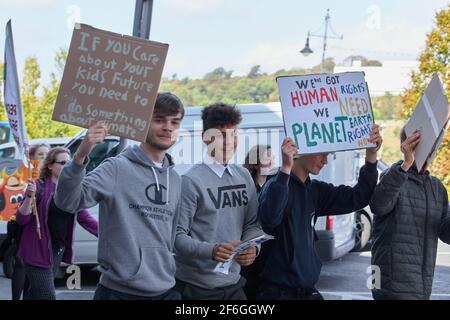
x=326, y=112
x=430, y=117
x=13, y=180
x=110, y=78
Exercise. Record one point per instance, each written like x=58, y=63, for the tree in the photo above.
x=218, y=74
x=388, y=106
x=364, y=61
x=328, y=66
x=38, y=106
x=434, y=58
x=255, y=72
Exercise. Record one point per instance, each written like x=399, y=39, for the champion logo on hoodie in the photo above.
x=229, y=196
x=155, y=194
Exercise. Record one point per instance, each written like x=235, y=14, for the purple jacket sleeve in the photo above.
x=22, y=219
x=88, y=222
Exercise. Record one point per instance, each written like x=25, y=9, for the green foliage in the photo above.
x=220, y=86
x=434, y=58
x=387, y=107
x=38, y=106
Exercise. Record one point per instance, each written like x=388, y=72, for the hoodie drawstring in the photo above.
x=168, y=185
x=156, y=178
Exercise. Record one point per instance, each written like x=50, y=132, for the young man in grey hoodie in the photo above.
x=138, y=194
x=218, y=209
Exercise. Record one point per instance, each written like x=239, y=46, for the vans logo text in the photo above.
x=230, y=196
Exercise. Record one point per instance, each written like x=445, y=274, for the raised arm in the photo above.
x=74, y=190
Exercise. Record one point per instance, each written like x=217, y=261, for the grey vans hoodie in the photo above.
x=137, y=218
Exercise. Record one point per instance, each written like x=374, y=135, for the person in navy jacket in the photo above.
x=290, y=264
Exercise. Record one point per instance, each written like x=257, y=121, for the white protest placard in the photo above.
x=326, y=112
x=430, y=117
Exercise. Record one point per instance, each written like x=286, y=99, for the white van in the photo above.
x=9, y=150
x=263, y=124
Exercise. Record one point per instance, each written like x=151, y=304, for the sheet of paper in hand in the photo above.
x=326, y=112
x=110, y=78
x=431, y=117
x=224, y=267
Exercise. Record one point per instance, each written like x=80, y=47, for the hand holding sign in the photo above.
x=288, y=151
x=95, y=135
x=375, y=138
x=408, y=147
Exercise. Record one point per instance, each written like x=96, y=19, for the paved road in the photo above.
x=346, y=278
x=343, y=279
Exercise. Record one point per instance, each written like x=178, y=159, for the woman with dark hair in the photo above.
x=39, y=151
x=259, y=161
x=42, y=257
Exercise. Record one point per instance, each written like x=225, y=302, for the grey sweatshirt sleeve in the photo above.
x=185, y=245
x=252, y=228
x=75, y=191
x=386, y=192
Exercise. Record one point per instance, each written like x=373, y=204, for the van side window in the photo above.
x=4, y=134
x=107, y=149
x=8, y=153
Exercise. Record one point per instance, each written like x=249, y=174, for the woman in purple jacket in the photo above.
x=42, y=257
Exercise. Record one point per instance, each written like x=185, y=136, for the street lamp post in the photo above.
x=142, y=18
x=307, y=50
x=141, y=28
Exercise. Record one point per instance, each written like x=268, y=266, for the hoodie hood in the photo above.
x=137, y=155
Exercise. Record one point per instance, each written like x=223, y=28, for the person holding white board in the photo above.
x=290, y=202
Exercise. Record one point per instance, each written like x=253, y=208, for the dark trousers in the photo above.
x=19, y=281
x=191, y=292
x=41, y=282
x=104, y=293
x=250, y=273
x=268, y=291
